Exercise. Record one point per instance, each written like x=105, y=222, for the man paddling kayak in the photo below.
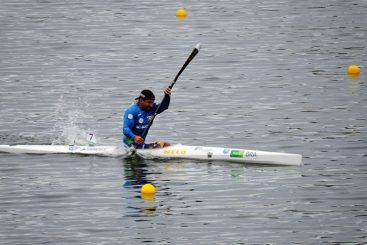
x=138, y=115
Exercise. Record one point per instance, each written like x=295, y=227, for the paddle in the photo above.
x=192, y=55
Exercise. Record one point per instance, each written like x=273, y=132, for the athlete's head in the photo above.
x=146, y=99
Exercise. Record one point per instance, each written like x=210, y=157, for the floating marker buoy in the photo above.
x=353, y=76
x=181, y=13
x=353, y=69
x=148, y=189
x=148, y=197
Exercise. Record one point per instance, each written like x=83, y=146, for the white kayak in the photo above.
x=113, y=151
x=222, y=154
x=176, y=151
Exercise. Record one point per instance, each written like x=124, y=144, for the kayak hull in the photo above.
x=222, y=154
x=176, y=151
x=63, y=149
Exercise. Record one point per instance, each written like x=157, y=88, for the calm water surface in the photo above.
x=271, y=76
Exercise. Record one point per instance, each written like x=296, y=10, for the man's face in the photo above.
x=146, y=105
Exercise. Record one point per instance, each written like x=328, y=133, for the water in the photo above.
x=271, y=76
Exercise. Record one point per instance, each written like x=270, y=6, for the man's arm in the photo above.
x=166, y=101
x=129, y=122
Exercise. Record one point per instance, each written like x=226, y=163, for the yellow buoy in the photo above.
x=353, y=69
x=181, y=13
x=353, y=76
x=148, y=189
x=148, y=197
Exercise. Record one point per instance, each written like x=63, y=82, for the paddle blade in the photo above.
x=194, y=52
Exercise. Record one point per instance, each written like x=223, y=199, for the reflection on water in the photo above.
x=136, y=174
x=357, y=86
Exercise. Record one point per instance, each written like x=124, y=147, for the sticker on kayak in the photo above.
x=225, y=151
x=174, y=152
x=242, y=153
x=73, y=148
x=251, y=154
x=237, y=153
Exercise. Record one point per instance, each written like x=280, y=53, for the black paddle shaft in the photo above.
x=191, y=57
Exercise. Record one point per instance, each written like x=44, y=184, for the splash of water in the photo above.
x=70, y=126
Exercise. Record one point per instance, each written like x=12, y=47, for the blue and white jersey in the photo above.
x=136, y=120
